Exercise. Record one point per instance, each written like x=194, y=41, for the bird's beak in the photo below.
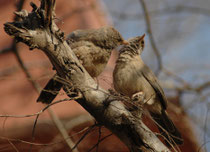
x=142, y=37
x=125, y=42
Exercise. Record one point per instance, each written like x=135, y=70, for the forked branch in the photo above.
x=38, y=30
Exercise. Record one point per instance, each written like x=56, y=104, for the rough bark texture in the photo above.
x=38, y=30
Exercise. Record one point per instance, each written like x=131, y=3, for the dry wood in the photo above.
x=38, y=30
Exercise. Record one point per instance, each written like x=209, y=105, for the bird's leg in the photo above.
x=97, y=81
x=138, y=101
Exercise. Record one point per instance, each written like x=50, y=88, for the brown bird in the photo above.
x=132, y=77
x=93, y=49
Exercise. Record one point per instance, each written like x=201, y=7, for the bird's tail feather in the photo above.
x=167, y=128
x=50, y=91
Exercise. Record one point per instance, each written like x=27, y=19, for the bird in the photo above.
x=93, y=49
x=132, y=77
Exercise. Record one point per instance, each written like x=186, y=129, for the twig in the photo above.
x=14, y=147
x=186, y=85
x=78, y=120
x=99, y=138
x=203, y=86
x=62, y=130
x=151, y=37
x=164, y=11
x=191, y=9
x=38, y=113
x=205, y=127
x=200, y=148
x=85, y=134
x=23, y=67
x=5, y=50
x=39, y=144
x=99, y=141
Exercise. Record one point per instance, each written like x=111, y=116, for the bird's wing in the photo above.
x=90, y=56
x=151, y=78
x=79, y=35
x=95, y=36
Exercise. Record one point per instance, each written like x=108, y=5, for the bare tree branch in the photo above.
x=38, y=113
x=164, y=11
x=103, y=106
x=99, y=141
x=54, y=142
x=5, y=50
x=85, y=134
x=151, y=37
x=187, y=86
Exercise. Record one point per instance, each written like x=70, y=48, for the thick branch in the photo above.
x=103, y=106
x=55, y=119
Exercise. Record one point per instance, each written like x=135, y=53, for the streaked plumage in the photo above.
x=132, y=76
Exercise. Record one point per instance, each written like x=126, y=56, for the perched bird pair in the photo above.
x=130, y=77
x=93, y=49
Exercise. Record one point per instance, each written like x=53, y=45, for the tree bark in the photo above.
x=38, y=30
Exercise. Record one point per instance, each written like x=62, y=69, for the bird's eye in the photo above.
x=142, y=43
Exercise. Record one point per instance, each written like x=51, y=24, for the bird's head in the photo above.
x=135, y=45
x=108, y=37
x=115, y=38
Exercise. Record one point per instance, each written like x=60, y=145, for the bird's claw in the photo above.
x=138, y=97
